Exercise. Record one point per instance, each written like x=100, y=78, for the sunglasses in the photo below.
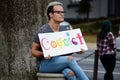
x=59, y=12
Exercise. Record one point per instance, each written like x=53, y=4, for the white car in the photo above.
x=66, y=25
x=118, y=43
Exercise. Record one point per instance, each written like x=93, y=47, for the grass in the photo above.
x=90, y=30
x=90, y=38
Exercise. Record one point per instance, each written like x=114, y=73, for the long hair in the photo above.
x=105, y=28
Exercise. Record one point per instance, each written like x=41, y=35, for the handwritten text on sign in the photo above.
x=63, y=42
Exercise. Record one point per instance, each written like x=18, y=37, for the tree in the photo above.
x=19, y=19
x=84, y=7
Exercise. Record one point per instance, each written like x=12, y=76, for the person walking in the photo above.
x=106, y=49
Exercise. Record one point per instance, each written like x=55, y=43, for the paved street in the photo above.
x=87, y=63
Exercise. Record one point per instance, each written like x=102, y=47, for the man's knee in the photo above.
x=71, y=73
x=70, y=58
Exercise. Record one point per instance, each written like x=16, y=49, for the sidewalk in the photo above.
x=91, y=46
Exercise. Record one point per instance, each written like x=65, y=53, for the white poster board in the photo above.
x=64, y=42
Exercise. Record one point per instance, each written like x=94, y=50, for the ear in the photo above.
x=51, y=15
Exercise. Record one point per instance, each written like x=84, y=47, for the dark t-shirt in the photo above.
x=46, y=29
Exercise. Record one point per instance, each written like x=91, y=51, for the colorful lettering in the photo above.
x=59, y=42
x=53, y=44
x=62, y=42
x=80, y=38
x=43, y=42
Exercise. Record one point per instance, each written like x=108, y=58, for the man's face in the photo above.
x=58, y=13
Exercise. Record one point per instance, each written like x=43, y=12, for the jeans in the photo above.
x=63, y=65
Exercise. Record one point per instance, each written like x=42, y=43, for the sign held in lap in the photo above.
x=60, y=43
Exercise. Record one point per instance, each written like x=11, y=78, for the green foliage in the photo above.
x=115, y=29
x=94, y=28
x=84, y=7
x=91, y=28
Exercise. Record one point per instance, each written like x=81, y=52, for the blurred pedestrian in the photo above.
x=106, y=49
x=118, y=41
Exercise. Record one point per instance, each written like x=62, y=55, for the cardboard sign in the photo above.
x=60, y=43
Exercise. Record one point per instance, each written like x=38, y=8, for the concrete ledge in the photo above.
x=50, y=76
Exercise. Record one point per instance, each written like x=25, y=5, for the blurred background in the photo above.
x=19, y=20
x=88, y=14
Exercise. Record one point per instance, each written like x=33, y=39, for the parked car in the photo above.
x=118, y=45
x=66, y=24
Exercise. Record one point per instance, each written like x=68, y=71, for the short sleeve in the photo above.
x=36, y=38
x=111, y=40
x=43, y=29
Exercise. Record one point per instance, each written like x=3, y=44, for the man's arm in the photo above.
x=35, y=50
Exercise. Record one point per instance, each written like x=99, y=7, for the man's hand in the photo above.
x=80, y=52
x=48, y=57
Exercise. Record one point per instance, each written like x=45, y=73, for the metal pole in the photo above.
x=95, y=73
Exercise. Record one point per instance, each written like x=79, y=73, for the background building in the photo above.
x=99, y=9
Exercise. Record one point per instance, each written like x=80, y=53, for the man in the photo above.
x=65, y=64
